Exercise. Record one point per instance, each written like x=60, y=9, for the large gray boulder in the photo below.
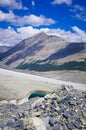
x=37, y=124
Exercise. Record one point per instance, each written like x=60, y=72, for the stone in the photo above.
x=11, y=123
x=55, y=103
x=36, y=114
x=40, y=100
x=70, y=126
x=57, y=127
x=54, y=96
x=67, y=88
x=73, y=103
x=20, y=123
x=52, y=101
x=84, y=114
x=49, y=101
x=47, y=96
x=77, y=124
x=54, y=114
x=83, y=121
x=25, y=114
x=2, y=126
x=1, y=114
x=57, y=108
x=25, y=122
x=46, y=121
x=45, y=114
x=37, y=123
x=66, y=114
x=51, y=121
x=65, y=99
x=48, y=128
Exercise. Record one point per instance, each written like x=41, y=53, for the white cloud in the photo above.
x=80, y=33
x=11, y=37
x=25, y=20
x=68, y=2
x=33, y=3
x=79, y=7
x=79, y=12
x=77, y=35
x=35, y=20
x=11, y=4
x=5, y=2
x=6, y=16
x=26, y=32
x=29, y=31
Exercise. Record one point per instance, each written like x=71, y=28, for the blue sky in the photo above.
x=20, y=19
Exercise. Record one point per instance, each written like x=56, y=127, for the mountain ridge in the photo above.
x=44, y=48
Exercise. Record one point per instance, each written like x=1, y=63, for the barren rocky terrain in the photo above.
x=62, y=109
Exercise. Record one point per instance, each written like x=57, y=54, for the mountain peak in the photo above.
x=40, y=34
x=42, y=47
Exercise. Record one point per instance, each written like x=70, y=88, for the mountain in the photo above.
x=4, y=49
x=45, y=51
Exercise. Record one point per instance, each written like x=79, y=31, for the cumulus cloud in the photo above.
x=77, y=35
x=80, y=33
x=35, y=20
x=79, y=12
x=11, y=4
x=26, y=32
x=11, y=37
x=6, y=16
x=25, y=20
x=68, y=2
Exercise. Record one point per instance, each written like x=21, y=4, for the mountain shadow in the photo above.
x=70, y=49
x=14, y=49
x=30, y=51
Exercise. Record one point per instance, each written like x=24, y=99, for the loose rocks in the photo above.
x=63, y=109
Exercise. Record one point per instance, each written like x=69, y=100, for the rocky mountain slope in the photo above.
x=4, y=49
x=42, y=50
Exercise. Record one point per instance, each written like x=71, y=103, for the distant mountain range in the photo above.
x=43, y=52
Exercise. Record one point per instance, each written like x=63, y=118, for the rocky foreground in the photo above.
x=63, y=109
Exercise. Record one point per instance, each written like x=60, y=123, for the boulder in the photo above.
x=11, y=123
x=37, y=124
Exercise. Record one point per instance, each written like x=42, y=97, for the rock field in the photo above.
x=63, y=109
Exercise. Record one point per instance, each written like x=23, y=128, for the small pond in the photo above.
x=37, y=94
